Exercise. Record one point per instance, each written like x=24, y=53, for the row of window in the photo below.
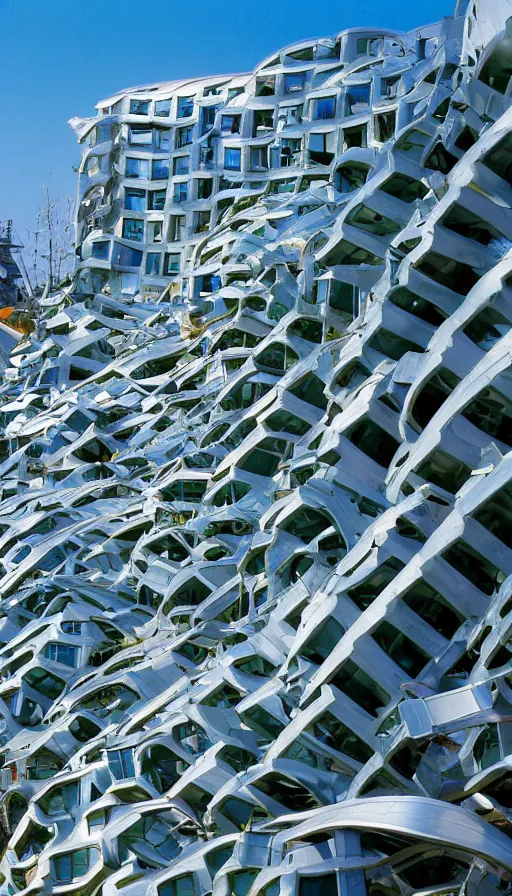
x=125, y=256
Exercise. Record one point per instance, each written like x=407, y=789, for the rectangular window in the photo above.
x=120, y=763
x=263, y=121
x=259, y=158
x=162, y=140
x=130, y=283
x=176, y=228
x=185, y=106
x=294, y=82
x=139, y=107
x=230, y=124
x=358, y=98
x=183, y=136
x=172, y=263
x=156, y=200
x=133, y=229
x=101, y=251
x=153, y=264
x=204, y=187
x=324, y=108
x=202, y=222
x=361, y=46
x=163, y=108
x=266, y=86
x=321, y=148
x=134, y=200
x=160, y=169
x=181, y=192
x=140, y=135
x=62, y=653
x=155, y=231
x=137, y=168
x=209, y=113
x=232, y=159
x=71, y=628
x=181, y=165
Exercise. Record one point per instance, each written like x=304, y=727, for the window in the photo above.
x=135, y=200
x=133, y=229
x=71, y=628
x=73, y=865
x=62, y=653
x=181, y=165
x=358, y=98
x=140, y=135
x=172, y=263
x=181, y=192
x=294, y=114
x=137, y=167
x=321, y=885
x=230, y=124
x=160, y=169
x=266, y=86
x=120, y=763
x=234, y=91
x=294, y=81
x=126, y=256
x=361, y=46
x=354, y=137
x=155, y=231
x=202, y=222
x=325, y=107
x=208, y=113
x=44, y=683
x=139, y=107
x=232, y=159
x=259, y=158
x=385, y=126
x=183, y=136
x=163, y=108
x=162, y=140
x=96, y=821
x=185, y=106
x=101, y=251
x=153, y=264
x=176, y=228
x=321, y=148
x=157, y=200
x=204, y=188
x=178, y=886
x=130, y=285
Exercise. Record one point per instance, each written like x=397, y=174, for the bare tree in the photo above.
x=52, y=240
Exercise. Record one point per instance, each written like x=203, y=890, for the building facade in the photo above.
x=256, y=499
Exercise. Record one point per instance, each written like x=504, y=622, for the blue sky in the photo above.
x=59, y=57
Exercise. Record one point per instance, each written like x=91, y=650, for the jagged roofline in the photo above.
x=255, y=507
x=289, y=48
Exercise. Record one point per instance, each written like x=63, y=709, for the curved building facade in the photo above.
x=256, y=499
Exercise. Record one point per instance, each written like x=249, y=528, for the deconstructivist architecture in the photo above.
x=256, y=487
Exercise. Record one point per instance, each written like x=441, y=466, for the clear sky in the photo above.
x=59, y=57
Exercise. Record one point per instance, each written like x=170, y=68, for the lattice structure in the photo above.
x=256, y=507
